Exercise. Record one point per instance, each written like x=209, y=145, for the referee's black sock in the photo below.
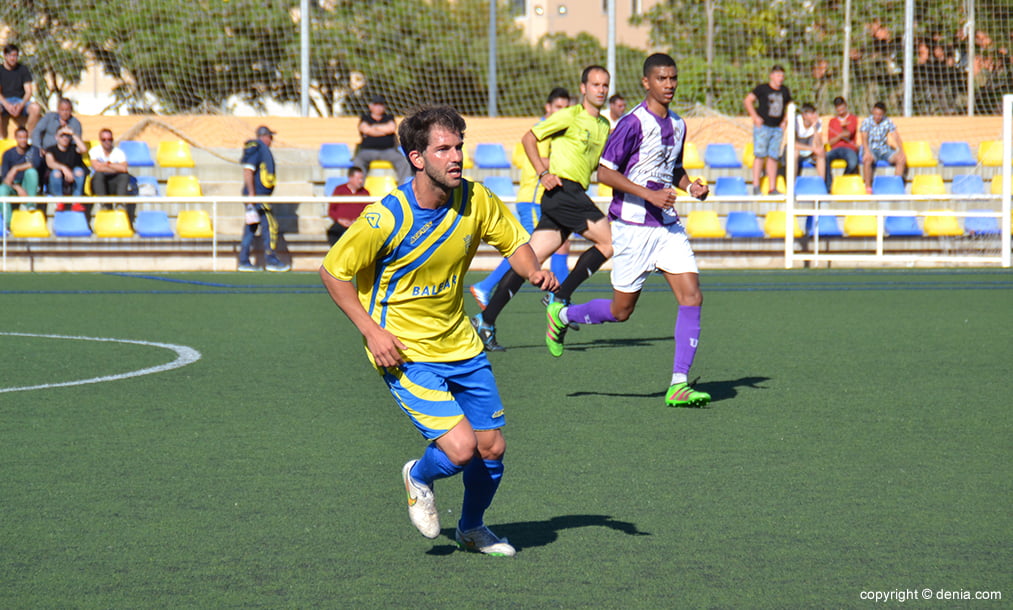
x=508, y=286
x=590, y=261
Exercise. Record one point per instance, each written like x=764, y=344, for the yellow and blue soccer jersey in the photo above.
x=577, y=141
x=408, y=264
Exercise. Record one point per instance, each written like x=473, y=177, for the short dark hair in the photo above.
x=777, y=68
x=355, y=169
x=415, y=128
x=658, y=60
x=20, y=129
x=808, y=107
x=615, y=98
x=557, y=93
x=11, y=47
x=588, y=70
x=880, y=105
x=838, y=101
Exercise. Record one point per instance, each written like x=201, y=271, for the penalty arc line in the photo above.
x=184, y=356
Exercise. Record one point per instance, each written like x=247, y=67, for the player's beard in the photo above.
x=442, y=180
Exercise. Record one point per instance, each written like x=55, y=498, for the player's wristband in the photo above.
x=543, y=174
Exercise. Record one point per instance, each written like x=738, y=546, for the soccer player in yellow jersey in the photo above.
x=397, y=273
x=578, y=136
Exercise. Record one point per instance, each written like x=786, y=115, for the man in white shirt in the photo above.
x=809, y=140
x=109, y=167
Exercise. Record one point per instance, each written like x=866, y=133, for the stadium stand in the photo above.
x=379, y=185
x=967, y=184
x=174, y=153
x=811, y=185
x=112, y=223
x=956, y=154
x=491, y=155
x=138, y=154
x=194, y=224
x=943, y=226
x=721, y=156
x=153, y=223
x=990, y=153
x=981, y=225
x=743, y=224
x=704, y=224
x=773, y=225
x=902, y=226
x=182, y=186
x=151, y=183
x=730, y=186
x=919, y=154
x=691, y=157
x=333, y=182
x=996, y=186
x=888, y=185
x=70, y=224
x=848, y=184
x=828, y=227
x=502, y=186
x=928, y=184
x=334, y=155
x=860, y=225
x=29, y=223
x=781, y=185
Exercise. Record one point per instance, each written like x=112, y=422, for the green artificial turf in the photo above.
x=859, y=440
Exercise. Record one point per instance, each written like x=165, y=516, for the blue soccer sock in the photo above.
x=434, y=464
x=558, y=264
x=481, y=479
x=489, y=283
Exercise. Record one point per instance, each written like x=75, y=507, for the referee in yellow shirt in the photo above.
x=578, y=136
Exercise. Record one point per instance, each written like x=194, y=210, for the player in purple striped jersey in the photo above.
x=642, y=162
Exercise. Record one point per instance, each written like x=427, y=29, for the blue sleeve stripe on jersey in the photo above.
x=396, y=277
x=393, y=205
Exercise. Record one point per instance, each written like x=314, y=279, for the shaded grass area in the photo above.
x=859, y=440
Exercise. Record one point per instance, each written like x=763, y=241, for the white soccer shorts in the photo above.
x=640, y=251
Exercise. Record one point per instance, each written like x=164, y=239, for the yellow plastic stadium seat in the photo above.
x=29, y=223
x=747, y=155
x=678, y=191
x=773, y=225
x=704, y=223
x=380, y=164
x=996, y=188
x=928, y=184
x=519, y=158
x=468, y=163
x=847, y=184
x=781, y=185
x=7, y=144
x=604, y=190
x=174, y=153
x=940, y=226
x=182, y=186
x=856, y=225
x=990, y=153
x=691, y=158
x=836, y=163
x=194, y=224
x=919, y=154
x=112, y=223
x=378, y=186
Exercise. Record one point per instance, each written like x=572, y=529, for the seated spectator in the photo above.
x=876, y=131
x=16, y=89
x=379, y=140
x=344, y=214
x=809, y=140
x=67, y=171
x=44, y=135
x=20, y=172
x=842, y=135
x=109, y=164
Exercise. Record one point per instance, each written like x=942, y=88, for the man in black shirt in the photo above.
x=766, y=105
x=379, y=140
x=16, y=88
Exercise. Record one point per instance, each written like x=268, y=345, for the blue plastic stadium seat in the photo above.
x=70, y=224
x=721, y=156
x=152, y=223
x=491, y=156
x=829, y=227
x=332, y=183
x=730, y=186
x=978, y=225
x=148, y=181
x=335, y=155
x=888, y=185
x=503, y=186
x=138, y=154
x=810, y=185
x=967, y=184
x=956, y=154
x=743, y=224
x=902, y=226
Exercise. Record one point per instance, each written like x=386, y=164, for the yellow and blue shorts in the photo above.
x=438, y=395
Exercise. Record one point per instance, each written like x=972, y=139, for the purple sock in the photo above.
x=597, y=311
x=687, y=336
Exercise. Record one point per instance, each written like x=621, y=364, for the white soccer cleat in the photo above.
x=482, y=540
x=421, y=504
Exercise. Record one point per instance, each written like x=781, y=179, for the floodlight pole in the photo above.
x=304, y=57
x=909, y=45
x=492, y=110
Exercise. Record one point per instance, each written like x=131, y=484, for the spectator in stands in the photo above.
x=20, y=172
x=16, y=89
x=259, y=180
x=766, y=105
x=109, y=164
x=809, y=140
x=44, y=135
x=344, y=214
x=67, y=171
x=617, y=108
x=875, y=133
x=379, y=140
x=842, y=134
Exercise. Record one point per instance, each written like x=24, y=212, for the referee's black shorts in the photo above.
x=568, y=209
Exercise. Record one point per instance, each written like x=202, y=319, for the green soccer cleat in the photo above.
x=681, y=395
x=556, y=329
